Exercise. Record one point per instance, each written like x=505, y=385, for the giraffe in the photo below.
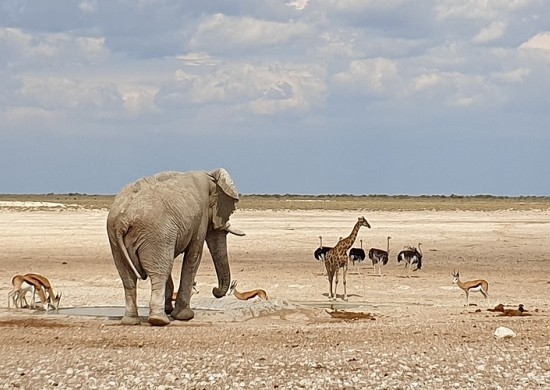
x=337, y=258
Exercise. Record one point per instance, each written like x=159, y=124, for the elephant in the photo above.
x=157, y=218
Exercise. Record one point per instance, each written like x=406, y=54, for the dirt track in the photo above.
x=422, y=335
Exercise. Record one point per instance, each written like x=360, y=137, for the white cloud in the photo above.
x=260, y=89
x=455, y=89
x=28, y=115
x=515, y=76
x=225, y=33
x=369, y=75
x=67, y=93
x=361, y=5
x=475, y=9
x=426, y=82
x=541, y=41
x=88, y=7
x=298, y=4
x=494, y=31
x=49, y=48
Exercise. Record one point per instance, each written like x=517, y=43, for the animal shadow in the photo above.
x=341, y=296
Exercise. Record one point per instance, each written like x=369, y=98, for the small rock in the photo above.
x=503, y=332
x=170, y=378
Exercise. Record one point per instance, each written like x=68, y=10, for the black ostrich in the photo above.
x=380, y=257
x=411, y=256
x=357, y=254
x=321, y=252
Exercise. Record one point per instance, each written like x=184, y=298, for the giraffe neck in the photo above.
x=347, y=242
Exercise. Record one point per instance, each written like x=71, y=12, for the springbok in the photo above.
x=478, y=285
x=19, y=292
x=246, y=295
x=40, y=285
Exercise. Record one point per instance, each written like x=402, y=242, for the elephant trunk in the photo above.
x=217, y=245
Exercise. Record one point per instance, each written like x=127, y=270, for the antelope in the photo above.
x=478, y=285
x=42, y=284
x=246, y=295
x=195, y=290
x=19, y=291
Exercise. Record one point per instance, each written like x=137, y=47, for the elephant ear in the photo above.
x=225, y=198
x=222, y=178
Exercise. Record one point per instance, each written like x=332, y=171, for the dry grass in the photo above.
x=325, y=202
x=392, y=203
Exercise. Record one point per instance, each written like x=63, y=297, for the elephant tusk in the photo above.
x=234, y=231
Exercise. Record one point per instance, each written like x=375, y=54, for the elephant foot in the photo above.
x=130, y=320
x=185, y=314
x=158, y=319
x=168, y=309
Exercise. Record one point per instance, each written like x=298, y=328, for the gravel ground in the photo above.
x=302, y=348
x=422, y=337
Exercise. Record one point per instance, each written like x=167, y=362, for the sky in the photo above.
x=426, y=97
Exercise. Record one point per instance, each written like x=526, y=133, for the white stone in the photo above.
x=503, y=332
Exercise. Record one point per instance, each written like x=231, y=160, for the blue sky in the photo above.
x=304, y=97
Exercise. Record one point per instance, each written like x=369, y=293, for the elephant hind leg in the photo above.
x=157, y=315
x=129, y=282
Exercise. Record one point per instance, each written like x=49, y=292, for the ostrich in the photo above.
x=321, y=252
x=357, y=254
x=411, y=256
x=380, y=257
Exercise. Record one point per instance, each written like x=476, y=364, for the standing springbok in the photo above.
x=19, y=291
x=42, y=287
x=478, y=285
x=52, y=298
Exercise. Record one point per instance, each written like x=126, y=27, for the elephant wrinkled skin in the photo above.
x=157, y=218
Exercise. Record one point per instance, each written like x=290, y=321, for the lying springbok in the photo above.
x=246, y=295
x=38, y=284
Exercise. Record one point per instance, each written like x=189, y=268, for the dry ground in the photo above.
x=422, y=336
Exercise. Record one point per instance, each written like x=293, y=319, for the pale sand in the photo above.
x=422, y=330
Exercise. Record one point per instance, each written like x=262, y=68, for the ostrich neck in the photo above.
x=388, y=246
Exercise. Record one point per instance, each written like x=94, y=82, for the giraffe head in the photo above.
x=363, y=222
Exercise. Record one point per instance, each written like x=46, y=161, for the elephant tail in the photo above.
x=120, y=240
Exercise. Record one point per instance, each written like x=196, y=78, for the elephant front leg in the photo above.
x=191, y=261
x=168, y=296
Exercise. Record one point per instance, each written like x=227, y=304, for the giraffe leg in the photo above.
x=344, y=272
x=330, y=278
x=336, y=284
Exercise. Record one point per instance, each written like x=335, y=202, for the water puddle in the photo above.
x=110, y=312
